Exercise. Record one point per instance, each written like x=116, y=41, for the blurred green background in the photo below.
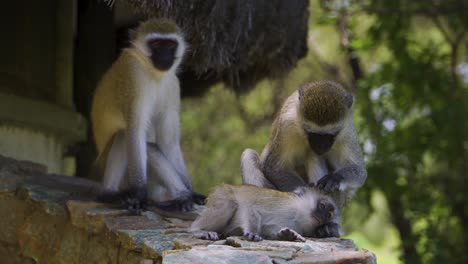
x=411, y=97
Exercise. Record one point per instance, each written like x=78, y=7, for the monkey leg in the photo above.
x=167, y=188
x=251, y=172
x=216, y=217
x=250, y=224
x=113, y=161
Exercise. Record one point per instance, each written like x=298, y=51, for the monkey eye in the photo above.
x=155, y=43
x=321, y=206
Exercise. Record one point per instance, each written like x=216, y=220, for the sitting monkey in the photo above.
x=258, y=213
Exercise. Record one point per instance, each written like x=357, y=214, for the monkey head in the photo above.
x=325, y=211
x=324, y=107
x=160, y=40
x=323, y=208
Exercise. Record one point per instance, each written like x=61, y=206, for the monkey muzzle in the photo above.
x=162, y=61
x=321, y=216
x=163, y=53
x=320, y=143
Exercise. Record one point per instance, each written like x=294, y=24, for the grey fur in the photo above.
x=258, y=213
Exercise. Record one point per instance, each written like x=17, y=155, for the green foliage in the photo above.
x=414, y=109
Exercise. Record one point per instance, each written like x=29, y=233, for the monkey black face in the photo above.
x=162, y=53
x=324, y=212
x=320, y=143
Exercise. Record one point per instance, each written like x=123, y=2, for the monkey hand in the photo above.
x=290, y=235
x=328, y=230
x=330, y=182
x=135, y=200
x=252, y=236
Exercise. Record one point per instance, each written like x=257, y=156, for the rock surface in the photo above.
x=53, y=219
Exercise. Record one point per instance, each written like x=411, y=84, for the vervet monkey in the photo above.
x=257, y=213
x=313, y=142
x=138, y=98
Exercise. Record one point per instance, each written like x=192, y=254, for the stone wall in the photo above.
x=47, y=218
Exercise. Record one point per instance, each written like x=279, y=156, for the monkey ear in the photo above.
x=301, y=93
x=300, y=191
x=132, y=34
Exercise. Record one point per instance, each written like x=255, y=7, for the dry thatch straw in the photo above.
x=238, y=42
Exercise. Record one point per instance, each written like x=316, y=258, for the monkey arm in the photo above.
x=344, y=179
x=289, y=234
x=206, y=235
x=276, y=232
x=330, y=229
x=353, y=167
x=283, y=178
x=354, y=176
x=347, y=163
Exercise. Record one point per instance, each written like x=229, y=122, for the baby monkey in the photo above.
x=257, y=213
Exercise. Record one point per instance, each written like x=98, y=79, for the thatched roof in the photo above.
x=238, y=42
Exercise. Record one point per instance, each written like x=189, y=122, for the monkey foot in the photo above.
x=251, y=236
x=183, y=204
x=290, y=235
x=199, y=199
x=109, y=197
x=206, y=235
x=133, y=201
x=134, y=205
x=328, y=230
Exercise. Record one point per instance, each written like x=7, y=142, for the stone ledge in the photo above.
x=52, y=219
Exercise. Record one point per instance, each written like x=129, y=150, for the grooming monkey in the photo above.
x=257, y=213
x=137, y=98
x=313, y=142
